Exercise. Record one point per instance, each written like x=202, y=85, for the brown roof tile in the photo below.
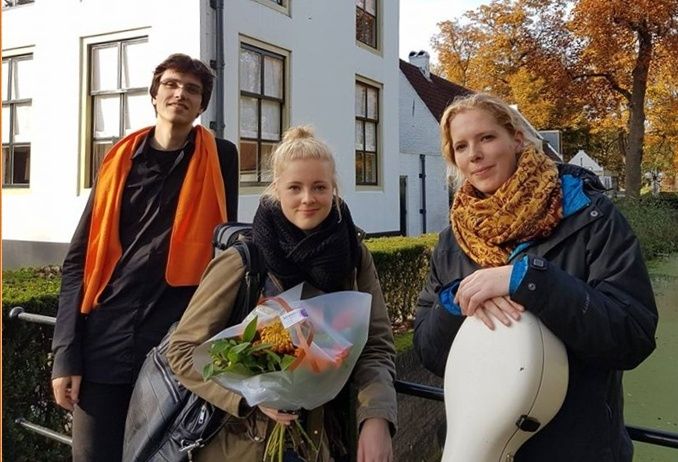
x=436, y=93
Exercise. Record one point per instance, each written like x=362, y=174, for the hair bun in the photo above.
x=298, y=133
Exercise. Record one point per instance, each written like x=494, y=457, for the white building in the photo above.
x=424, y=188
x=76, y=76
x=582, y=159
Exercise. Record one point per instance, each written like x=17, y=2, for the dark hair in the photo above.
x=186, y=65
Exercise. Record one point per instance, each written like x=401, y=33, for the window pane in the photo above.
x=248, y=161
x=5, y=79
x=273, y=77
x=5, y=124
x=270, y=120
x=138, y=112
x=105, y=67
x=22, y=81
x=22, y=123
x=22, y=165
x=366, y=31
x=265, y=162
x=371, y=7
x=106, y=116
x=99, y=150
x=359, y=135
x=372, y=103
x=249, y=117
x=370, y=168
x=250, y=71
x=360, y=100
x=248, y=156
x=135, y=70
x=6, y=172
x=370, y=137
x=359, y=170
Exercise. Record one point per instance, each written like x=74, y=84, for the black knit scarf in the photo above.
x=324, y=257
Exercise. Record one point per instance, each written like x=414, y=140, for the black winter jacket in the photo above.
x=594, y=294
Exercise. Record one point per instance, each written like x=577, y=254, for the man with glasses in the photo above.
x=137, y=254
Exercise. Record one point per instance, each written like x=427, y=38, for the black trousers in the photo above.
x=99, y=422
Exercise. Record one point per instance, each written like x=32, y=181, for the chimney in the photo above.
x=421, y=60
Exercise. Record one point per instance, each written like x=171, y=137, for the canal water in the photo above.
x=651, y=390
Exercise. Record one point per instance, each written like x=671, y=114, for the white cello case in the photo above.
x=498, y=381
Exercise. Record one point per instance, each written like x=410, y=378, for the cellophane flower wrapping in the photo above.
x=337, y=326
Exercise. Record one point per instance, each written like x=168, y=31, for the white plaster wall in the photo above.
x=324, y=62
x=49, y=210
x=420, y=134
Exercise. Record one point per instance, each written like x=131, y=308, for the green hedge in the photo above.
x=402, y=264
x=26, y=368
x=655, y=222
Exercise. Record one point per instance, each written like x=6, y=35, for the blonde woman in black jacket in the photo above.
x=527, y=234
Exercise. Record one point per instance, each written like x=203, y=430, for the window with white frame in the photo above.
x=17, y=92
x=118, y=91
x=262, y=102
x=366, y=22
x=366, y=130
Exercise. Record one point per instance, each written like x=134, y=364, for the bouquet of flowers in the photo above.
x=289, y=354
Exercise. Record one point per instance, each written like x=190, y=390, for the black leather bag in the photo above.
x=165, y=421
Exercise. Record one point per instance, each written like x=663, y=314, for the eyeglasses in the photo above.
x=191, y=88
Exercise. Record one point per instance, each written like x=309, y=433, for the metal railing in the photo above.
x=640, y=434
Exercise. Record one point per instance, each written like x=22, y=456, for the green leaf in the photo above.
x=219, y=347
x=261, y=346
x=286, y=361
x=239, y=369
x=273, y=356
x=233, y=357
x=240, y=347
x=250, y=330
x=208, y=371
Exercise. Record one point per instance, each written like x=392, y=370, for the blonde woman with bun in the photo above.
x=305, y=233
x=529, y=234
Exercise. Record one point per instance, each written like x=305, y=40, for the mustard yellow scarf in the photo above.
x=527, y=206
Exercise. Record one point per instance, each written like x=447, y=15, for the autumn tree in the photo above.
x=582, y=65
x=505, y=48
x=621, y=42
x=661, y=142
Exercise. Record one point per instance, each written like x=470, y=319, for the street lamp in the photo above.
x=655, y=178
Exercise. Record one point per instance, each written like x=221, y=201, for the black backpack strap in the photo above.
x=250, y=287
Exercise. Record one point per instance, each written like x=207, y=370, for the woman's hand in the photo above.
x=281, y=417
x=502, y=308
x=481, y=286
x=374, y=443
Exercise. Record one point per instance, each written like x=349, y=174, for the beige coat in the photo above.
x=243, y=439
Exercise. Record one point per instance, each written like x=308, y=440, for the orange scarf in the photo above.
x=201, y=206
x=527, y=206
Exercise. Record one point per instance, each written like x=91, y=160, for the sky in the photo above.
x=418, y=19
